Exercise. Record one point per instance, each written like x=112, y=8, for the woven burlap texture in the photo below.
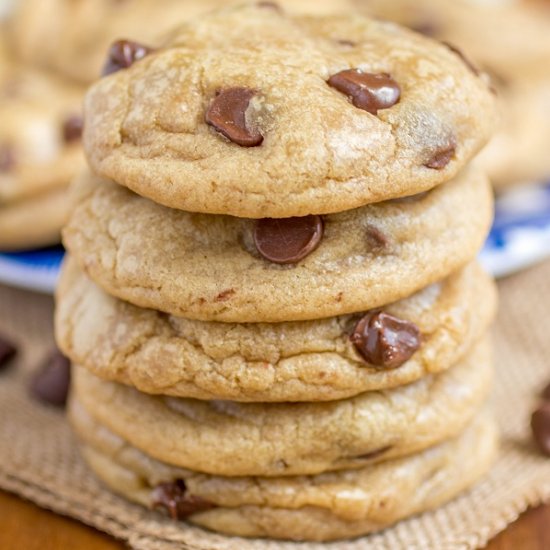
x=39, y=459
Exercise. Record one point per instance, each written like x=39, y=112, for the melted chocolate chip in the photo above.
x=72, y=128
x=540, y=426
x=227, y=114
x=50, y=383
x=384, y=340
x=7, y=351
x=122, y=54
x=174, y=499
x=441, y=157
x=288, y=240
x=7, y=157
x=367, y=91
x=375, y=237
x=460, y=54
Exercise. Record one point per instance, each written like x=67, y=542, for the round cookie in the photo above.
x=33, y=222
x=328, y=506
x=507, y=37
x=40, y=146
x=252, y=113
x=300, y=361
x=274, y=439
x=209, y=267
x=73, y=37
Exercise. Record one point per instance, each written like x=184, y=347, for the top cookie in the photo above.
x=253, y=113
x=72, y=37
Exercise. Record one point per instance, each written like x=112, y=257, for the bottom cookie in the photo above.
x=33, y=222
x=322, y=507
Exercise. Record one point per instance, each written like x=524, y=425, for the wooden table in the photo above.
x=23, y=526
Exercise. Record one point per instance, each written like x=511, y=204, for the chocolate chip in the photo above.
x=225, y=295
x=288, y=240
x=367, y=91
x=50, y=383
x=441, y=157
x=540, y=426
x=174, y=499
x=122, y=54
x=72, y=128
x=460, y=54
x=385, y=340
x=546, y=393
x=227, y=114
x=7, y=157
x=7, y=351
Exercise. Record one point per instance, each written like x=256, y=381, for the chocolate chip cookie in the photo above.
x=327, y=506
x=301, y=361
x=222, y=268
x=253, y=113
x=273, y=439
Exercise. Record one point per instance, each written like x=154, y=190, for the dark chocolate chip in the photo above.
x=384, y=340
x=7, y=351
x=540, y=426
x=122, y=54
x=546, y=393
x=227, y=114
x=7, y=157
x=50, y=383
x=441, y=157
x=174, y=499
x=460, y=54
x=72, y=128
x=367, y=91
x=373, y=454
x=288, y=240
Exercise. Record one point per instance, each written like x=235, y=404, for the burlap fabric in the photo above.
x=39, y=459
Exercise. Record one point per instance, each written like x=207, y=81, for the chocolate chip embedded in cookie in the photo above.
x=123, y=54
x=174, y=498
x=385, y=340
x=227, y=114
x=367, y=91
x=288, y=240
x=259, y=115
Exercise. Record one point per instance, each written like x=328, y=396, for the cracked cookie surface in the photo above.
x=318, y=148
x=300, y=361
x=327, y=506
x=209, y=268
x=274, y=439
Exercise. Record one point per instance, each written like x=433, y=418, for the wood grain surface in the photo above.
x=24, y=526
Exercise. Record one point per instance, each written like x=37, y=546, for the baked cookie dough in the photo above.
x=327, y=506
x=300, y=361
x=274, y=439
x=40, y=147
x=33, y=222
x=73, y=37
x=253, y=113
x=210, y=267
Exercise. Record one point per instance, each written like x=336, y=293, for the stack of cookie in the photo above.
x=271, y=302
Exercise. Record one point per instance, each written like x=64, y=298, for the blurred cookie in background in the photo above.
x=510, y=41
x=73, y=37
x=40, y=152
